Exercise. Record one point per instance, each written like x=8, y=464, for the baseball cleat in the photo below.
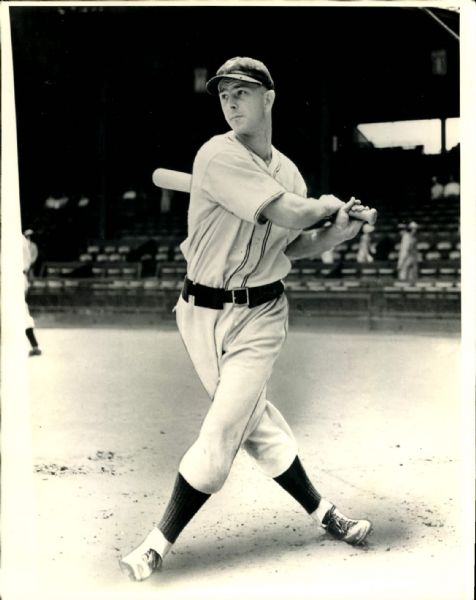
x=143, y=561
x=348, y=530
x=35, y=351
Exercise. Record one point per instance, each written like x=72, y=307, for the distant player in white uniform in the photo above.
x=248, y=210
x=30, y=254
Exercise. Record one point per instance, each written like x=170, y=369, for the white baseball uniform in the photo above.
x=230, y=245
x=30, y=254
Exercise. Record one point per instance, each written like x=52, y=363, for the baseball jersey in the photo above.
x=230, y=244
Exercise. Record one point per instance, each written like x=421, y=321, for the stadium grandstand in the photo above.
x=109, y=109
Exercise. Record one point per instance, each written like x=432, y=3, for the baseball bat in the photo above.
x=181, y=182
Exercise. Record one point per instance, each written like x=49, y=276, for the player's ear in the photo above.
x=269, y=97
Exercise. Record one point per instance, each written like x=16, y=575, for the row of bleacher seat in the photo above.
x=449, y=269
x=153, y=284
x=111, y=259
x=108, y=248
x=337, y=255
x=78, y=269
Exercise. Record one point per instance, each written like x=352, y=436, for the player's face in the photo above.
x=243, y=105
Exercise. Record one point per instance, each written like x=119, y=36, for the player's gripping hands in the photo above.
x=346, y=226
x=313, y=243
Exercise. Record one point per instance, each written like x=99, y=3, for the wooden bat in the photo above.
x=181, y=182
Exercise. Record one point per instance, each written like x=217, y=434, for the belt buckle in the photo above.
x=233, y=297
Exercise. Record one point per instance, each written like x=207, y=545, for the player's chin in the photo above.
x=238, y=126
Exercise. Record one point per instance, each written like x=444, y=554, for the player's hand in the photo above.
x=348, y=227
x=331, y=204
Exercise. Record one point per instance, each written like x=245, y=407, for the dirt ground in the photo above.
x=378, y=418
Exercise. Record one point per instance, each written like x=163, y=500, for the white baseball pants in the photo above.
x=233, y=351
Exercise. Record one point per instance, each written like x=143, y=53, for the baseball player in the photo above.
x=248, y=212
x=408, y=255
x=364, y=252
x=30, y=254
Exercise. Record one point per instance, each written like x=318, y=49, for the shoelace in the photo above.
x=339, y=524
x=152, y=558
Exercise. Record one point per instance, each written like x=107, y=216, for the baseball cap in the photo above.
x=241, y=68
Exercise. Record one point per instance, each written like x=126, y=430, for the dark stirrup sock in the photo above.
x=184, y=503
x=30, y=334
x=295, y=481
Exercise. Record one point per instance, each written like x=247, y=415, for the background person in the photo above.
x=407, y=264
x=30, y=254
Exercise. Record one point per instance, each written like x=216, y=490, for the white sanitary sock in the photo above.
x=158, y=542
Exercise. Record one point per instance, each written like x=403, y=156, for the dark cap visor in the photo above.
x=212, y=84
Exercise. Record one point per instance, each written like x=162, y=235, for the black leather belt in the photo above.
x=210, y=297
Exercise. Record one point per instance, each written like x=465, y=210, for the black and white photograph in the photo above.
x=237, y=300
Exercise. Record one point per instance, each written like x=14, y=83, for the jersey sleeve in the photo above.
x=300, y=187
x=241, y=186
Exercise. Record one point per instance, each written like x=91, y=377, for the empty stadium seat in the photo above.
x=368, y=271
x=428, y=272
x=131, y=270
x=99, y=271
x=423, y=245
x=297, y=284
x=54, y=283
x=38, y=283
x=444, y=245
x=444, y=285
x=71, y=284
x=447, y=272
x=151, y=284
x=308, y=272
x=386, y=271
x=316, y=285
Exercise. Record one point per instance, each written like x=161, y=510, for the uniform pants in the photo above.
x=29, y=321
x=233, y=351
x=408, y=270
